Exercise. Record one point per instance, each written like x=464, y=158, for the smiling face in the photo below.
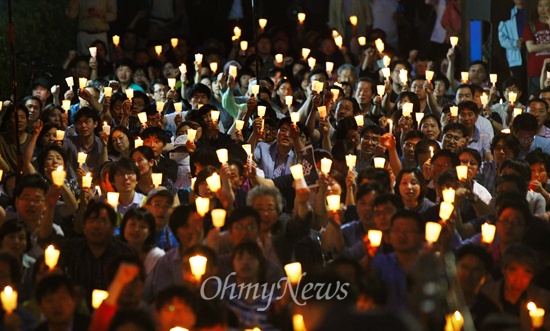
x=450, y=140
x=125, y=180
x=539, y=110
x=15, y=243
x=369, y=141
x=283, y=136
x=136, y=232
x=468, y=118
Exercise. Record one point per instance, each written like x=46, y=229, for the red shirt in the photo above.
x=542, y=36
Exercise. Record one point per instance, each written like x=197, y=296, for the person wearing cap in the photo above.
x=41, y=89
x=159, y=203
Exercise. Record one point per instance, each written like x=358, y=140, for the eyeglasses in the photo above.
x=126, y=174
x=36, y=201
x=468, y=162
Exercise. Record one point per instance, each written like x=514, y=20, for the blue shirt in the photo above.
x=268, y=159
x=387, y=268
x=165, y=239
x=353, y=233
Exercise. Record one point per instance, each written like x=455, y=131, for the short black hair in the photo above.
x=537, y=100
x=198, y=88
x=120, y=165
x=389, y=198
x=477, y=251
x=474, y=153
x=51, y=283
x=455, y=161
x=240, y=213
x=31, y=181
x=155, y=131
x=367, y=188
x=86, y=112
x=511, y=141
x=410, y=214
x=455, y=127
x=469, y=105
x=376, y=175
x=524, y=122
x=519, y=182
x=511, y=81
x=124, y=62
x=180, y=217
x=94, y=209
x=182, y=293
x=521, y=167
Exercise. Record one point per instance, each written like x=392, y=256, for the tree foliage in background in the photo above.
x=43, y=37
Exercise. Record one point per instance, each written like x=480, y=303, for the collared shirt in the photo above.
x=75, y=145
x=501, y=109
x=480, y=142
x=165, y=239
x=387, y=268
x=544, y=132
x=268, y=159
x=139, y=200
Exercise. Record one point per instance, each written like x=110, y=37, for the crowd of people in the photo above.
x=298, y=147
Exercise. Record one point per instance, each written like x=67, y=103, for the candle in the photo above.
x=298, y=174
x=448, y=195
x=295, y=117
x=464, y=76
x=198, y=266
x=255, y=89
x=59, y=135
x=288, y=100
x=531, y=306
x=9, y=299
x=386, y=72
x=157, y=179
x=454, y=321
x=445, y=210
x=1, y=173
x=178, y=106
x=98, y=190
x=351, y=160
x=82, y=83
x=493, y=78
x=379, y=162
x=51, y=256
x=237, y=32
x=335, y=93
x=517, y=111
x=386, y=60
x=506, y=131
x=360, y=120
x=214, y=67
x=138, y=142
x=247, y=148
x=198, y=58
x=298, y=323
x=317, y=86
x=339, y=41
x=93, y=51
x=214, y=182
x=419, y=117
x=222, y=155
x=326, y=164
x=404, y=76
x=261, y=111
x=160, y=106
x=454, y=111
x=87, y=180
x=375, y=237
x=191, y=134
x=158, y=49
x=379, y=45
x=429, y=75
x=66, y=105
x=116, y=40
x=232, y=71
x=488, y=233
x=407, y=109
x=244, y=45
x=431, y=151
x=98, y=296
x=203, y=205
x=380, y=90
x=512, y=96
x=353, y=20
x=239, y=124
x=81, y=159
x=322, y=111
x=329, y=66
x=142, y=117
x=293, y=272
x=218, y=217
x=129, y=93
x=174, y=42
x=112, y=198
x=301, y=17
x=362, y=41
x=333, y=202
x=462, y=172
x=390, y=123
x=172, y=83
x=454, y=41
x=215, y=115
x=305, y=53
x=70, y=82
x=106, y=128
x=177, y=328
x=311, y=62
x=484, y=99
x=183, y=69
x=58, y=176
x=433, y=230
x=279, y=58
x=108, y=91
x=537, y=317
x=262, y=22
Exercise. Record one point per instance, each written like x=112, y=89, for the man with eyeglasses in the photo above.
x=454, y=137
x=159, y=203
x=525, y=128
x=409, y=142
x=124, y=175
x=370, y=146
